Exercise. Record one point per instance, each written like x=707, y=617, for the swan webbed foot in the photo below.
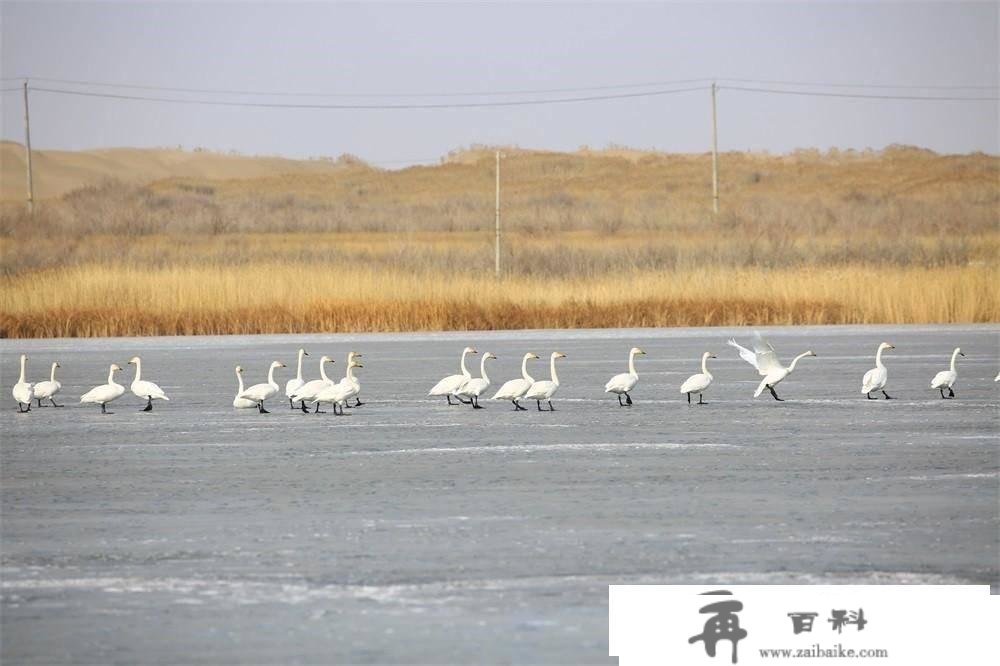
x=449, y=400
x=54, y=403
x=302, y=406
x=464, y=402
x=951, y=392
x=39, y=401
x=539, y=404
x=774, y=394
x=551, y=408
x=358, y=402
x=628, y=399
x=260, y=407
x=887, y=396
x=317, y=410
x=22, y=410
x=149, y=405
x=517, y=407
x=870, y=396
x=620, y=403
x=701, y=399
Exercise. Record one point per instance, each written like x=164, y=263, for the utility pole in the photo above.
x=27, y=151
x=498, y=216
x=715, y=157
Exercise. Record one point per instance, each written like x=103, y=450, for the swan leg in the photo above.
x=701, y=399
x=260, y=407
x=464, y=402
x=620, y=403
x=517, y=407
x=449, y=399
x=942, y=393
x=951, y=392
x=475, y=403
x=21, y=409
x=887, y=396
x=149, y=404
x=870, y=396
x=316, y=411
x=774, y=393
x=291, y=404
x=104, y=409
x=551, y=408
x=52, y=400
x=357, y=401
x=689, y=398
x=539, y=403
x=302, y=406
x=628, y=399
x=39, y=401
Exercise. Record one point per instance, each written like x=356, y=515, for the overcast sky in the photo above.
x=410, y=49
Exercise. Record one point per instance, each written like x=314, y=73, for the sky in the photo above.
x=392, y=54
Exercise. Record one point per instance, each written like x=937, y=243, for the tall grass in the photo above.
x=901, y=236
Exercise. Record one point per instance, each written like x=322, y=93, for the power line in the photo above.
x=809, y=84
x=805, y=93
x=448, y=105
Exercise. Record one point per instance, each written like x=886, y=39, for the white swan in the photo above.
x=309, y=390
x=293, y=385
x=544, y=390
x=144, y=389
x=699, y=383
x=46, y=390
x=625, y=382
x=515, y=389
x=475, y=387
x=765, y=360
x=453, y=383
x=261, y=392
x=942, y=380
x=350, y=379
x=105, y=393
x=876, y=378
x=238, y=402
x=338, y=394
x=23, y=391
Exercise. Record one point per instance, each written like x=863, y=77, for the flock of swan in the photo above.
x=462, y=387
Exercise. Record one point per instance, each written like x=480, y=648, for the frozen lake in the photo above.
x=410, y=531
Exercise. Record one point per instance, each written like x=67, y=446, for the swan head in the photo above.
x=531, y=355
x=133, y=360
x=239, y=369
x=636, y=350
x=56, y=365
x=355, y=354
x=277, y=364
x=810, y=353
x=115, y=367
x=708, y=355
x=488, y=355
x=958, y=350
x=326, y=359
x=469, y=350
x=556, y=355
x=886, y=345
x=355, y=364
x=303, y=352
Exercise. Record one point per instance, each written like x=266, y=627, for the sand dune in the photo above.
x=57, y=172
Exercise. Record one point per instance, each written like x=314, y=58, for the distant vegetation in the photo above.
x=606, y=238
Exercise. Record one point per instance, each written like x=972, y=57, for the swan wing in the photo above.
x=46, y=389
x=473, y=387
x=696, y=383
x=541, y=390
x=293, y=385
x=873, y=380
x=767, y=359
x=943, y=379
x=514, y=388
x=23, y=392
x=144, y=389
x=448, y=385
x=745, y=353
x=621, y=383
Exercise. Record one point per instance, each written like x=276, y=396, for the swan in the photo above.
x=764, y=358
x=544, y=390
x=238, y=402
x=349, y=378
x=942, y=380
x=309, y=390
x=47, y=389
x=515, y=389
x=474, y=387
x=105, y=393
x=451, y=384
x=626, y=381
x=293, y=385
x=876, y=378
x=339, y=393
x=23, y=391
x=144, y=389
x=699, y=383
x=261, y=392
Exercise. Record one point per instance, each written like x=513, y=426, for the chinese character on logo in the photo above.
x=724, y=625
x=802, y=621
x=842, y=617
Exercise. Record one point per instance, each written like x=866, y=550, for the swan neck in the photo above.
x=465, y=371
x=350, y=372
x=878, y=358
x=524, y=371
x=239, y=379
x=299, y=371
x=482, y=370
x=270, y=376
x=796, y=360
x=52, y=374
x=138, y=369
x=24, y=362
x=322, y=371
x=552, y=370
x=631, y=364
x=704, y=365
x=111, y=376
x=954, y=355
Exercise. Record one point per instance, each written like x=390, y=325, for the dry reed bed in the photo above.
x=106, y=300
